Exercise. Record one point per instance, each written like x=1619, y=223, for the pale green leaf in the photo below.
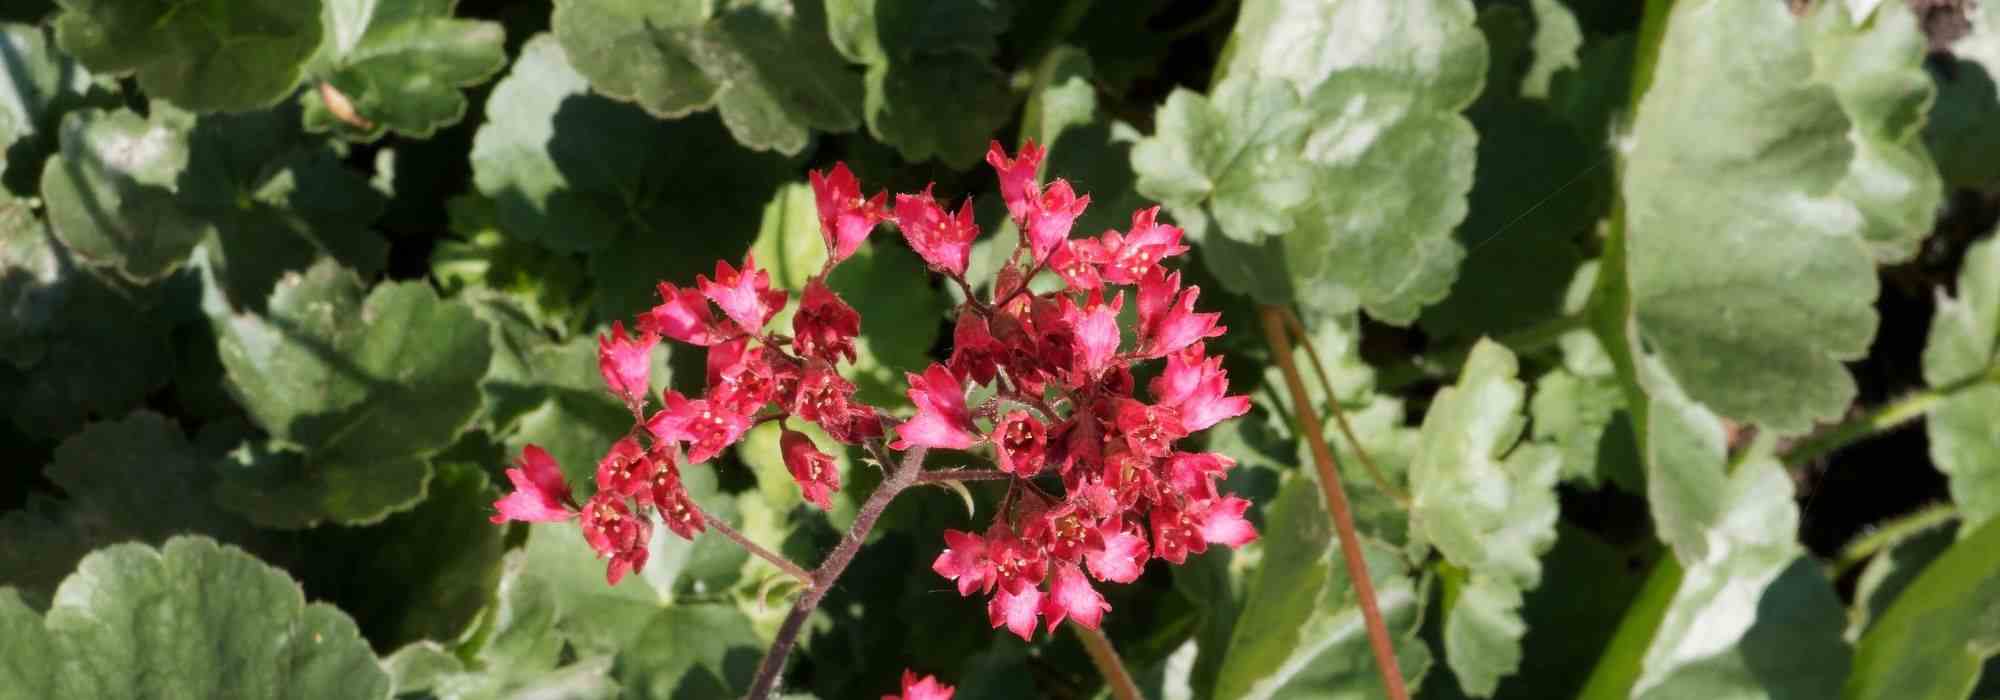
x=767, y=67
x=190, y=619
x=1756, y=207
x=1752, y=617
x=206, y=57
x=1234, y=155
x=39, y=85
x=1300, y=631
x=1964, y=337
x=514, y=655
x=355, y=398
x=1930, y=644
x=1489, y=506
x=1890, y=573
x=1557, y=39
x=400, y=65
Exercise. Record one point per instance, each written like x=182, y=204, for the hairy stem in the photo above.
x=777, y=560
x=1340, y=416
x=933, y=477
x=829, y=571
x=1336, y=502
x=1881, y=419
x=1890, y=533
x=1108, y=664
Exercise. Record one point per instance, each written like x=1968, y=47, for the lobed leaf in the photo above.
x=930, y=88
x=1964, y=339
x=204, y=57
x=399, y=66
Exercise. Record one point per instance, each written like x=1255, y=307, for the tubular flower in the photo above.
x=677, y=510
x=1071, y=596
x=1020, y=444
x=610, y=530
x=705, y=428
x=626, y=363
x=845, y=219
x=1125, y=259
x=825, y=326
x=626, y=470
x=925, y=688
x=814, y=470
x=942, y=419
x=1018, y=180
x=745, y=296
x=964, y=561
x=1050, y=218
x=539, y=496
x=943, y=240
x=975, y=353
x=1167, y=321
x=1197, y=386
x=682, y=315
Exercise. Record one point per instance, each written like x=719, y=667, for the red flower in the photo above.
x=1016, y=610
x=927, y=688
x=677, y=509
x=1179, y=532
x=975, y=353
x=964, y=561
x=610, y=529
x=1076, y=261
x=812, y=469
x=1197, y=387
x=1149, y=430
x=625, y=470
x=1094, y=328
x=741, y=379
x=825, y=326
x=942, y=419
x=745, y=296
x=1126, y=259
x=1017, y=177
x=1193, y=474
x=626, y=363
x=539, y=496
x=1020, y=444
x=1018, y=564
x=1071, y=596
x=944, y=241
x=1050, y=219
x=845, y=219
x=682, y=315
x=1168, y=323
x=1120, y=557
x=822, y=397
x=704, y=427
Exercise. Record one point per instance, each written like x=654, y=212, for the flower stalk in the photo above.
x=1336, y=502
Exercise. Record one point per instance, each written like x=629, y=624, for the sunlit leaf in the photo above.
x=398, y=66
x=209, y=57
x=1964, y=337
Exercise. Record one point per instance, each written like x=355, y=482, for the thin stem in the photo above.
x=1108, y=664
x=829, y=571
x=1892, y=532
x=933, y=477
x=1216, y=12
x=1881, y=419
x=1336, y=502
x=777, y=560
x=1340, y=416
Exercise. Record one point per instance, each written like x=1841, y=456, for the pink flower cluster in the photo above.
x=1063, y=409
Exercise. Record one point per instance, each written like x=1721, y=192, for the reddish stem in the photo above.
x=822, y=578
x=1336, y=502
x=962, y=475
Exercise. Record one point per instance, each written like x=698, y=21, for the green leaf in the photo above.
x=930, y=90
x=1930, y=644
x=190, y=619
x=400, y=65
x=431, y=569
x=97, y=469
x=1587, y=585
x=900, y=322
x=41, y=84
x=205, y=57
x=1489, y=507
x=1234, y=155
x=575, y=171
x=1753, y=218
x=551, y=289
x=1389, y=157
x=357, y=391
x=1890, y=573
x=1585, y=417
x=514, y=653
x=1964, y=337
x=541, y=392
x=1557, y=39
x=1084, y=146
x=1300, y=631
x=695, y=651
x=1752, y=616
x=767, y=67
x=1968, y=153
x=1538, y=188
x=137, y=194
